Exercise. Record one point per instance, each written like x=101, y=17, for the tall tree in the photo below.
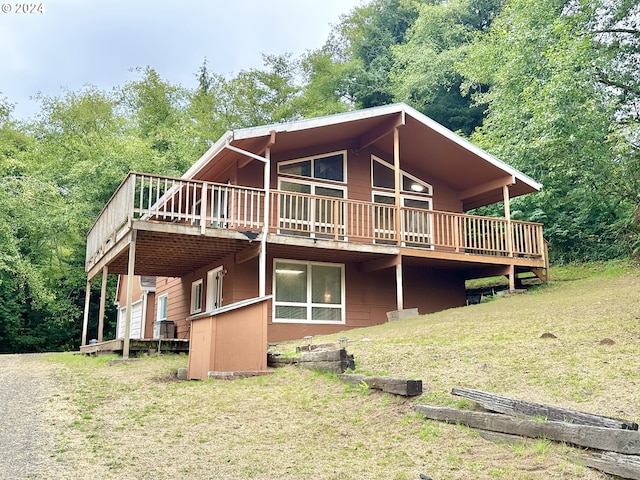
x=361, y=45
x=158, y=110
x=424, y=72
x=549, y=117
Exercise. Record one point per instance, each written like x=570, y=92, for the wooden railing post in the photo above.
x=203, y=208
x=456, y=233
x=507, y=215
x=133, y=196
x=336, y=219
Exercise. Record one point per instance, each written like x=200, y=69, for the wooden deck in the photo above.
x=166, y=212
x=137, y=346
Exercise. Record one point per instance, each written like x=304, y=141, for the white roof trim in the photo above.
x=464, y=143
x=209, y=154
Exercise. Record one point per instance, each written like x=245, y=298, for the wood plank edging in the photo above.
x=516, y=407
x=625, y=466
x=398, y=386
x=599, y=438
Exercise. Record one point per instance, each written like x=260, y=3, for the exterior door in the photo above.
x=135, y=329
x=416, y=220
x=308, y=215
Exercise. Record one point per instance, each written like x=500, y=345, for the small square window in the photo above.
x=196, y=296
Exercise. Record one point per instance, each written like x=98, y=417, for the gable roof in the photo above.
x=477, y=176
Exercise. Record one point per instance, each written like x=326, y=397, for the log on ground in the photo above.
x=398, y=386
x=521, y=408
x=624, y=466
x=600, y=438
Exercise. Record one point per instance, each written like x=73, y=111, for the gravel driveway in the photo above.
x=27, y=384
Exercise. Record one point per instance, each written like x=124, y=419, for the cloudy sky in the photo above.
x=73, y=43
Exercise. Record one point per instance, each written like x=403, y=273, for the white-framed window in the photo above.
x=196, y=297
x=329, y=166
x=308, y=292
x=383, y=177
x=163, y=302
x=214, y=288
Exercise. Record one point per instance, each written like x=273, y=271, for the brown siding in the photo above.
x=122, y=290
x=232, y=341
x=151, y=315
x=430, y=290
x=368, y=296
x=240, y=283
x=251, y=175
x=178, y=304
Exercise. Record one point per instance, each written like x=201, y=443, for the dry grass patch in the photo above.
x=136, y=421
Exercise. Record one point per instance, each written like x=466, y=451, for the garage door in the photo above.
x=136, y=321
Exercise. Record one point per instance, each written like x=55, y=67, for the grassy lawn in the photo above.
x=136, y=421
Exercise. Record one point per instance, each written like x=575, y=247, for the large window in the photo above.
x=196, y=297
x=308, y=292
x=330, y=166
x=383, y=177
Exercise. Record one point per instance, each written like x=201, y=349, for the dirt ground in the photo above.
x=27, y=434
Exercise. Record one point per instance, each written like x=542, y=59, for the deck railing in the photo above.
x=366, y=222
x=212, y=205
x=178, y=201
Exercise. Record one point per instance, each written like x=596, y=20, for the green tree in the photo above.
x=158, y=111
x=548, y=116
x=424, y=72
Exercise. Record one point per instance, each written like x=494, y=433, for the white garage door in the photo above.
x=136, y=321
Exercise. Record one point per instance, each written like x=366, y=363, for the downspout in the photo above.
x=266, y=160
x=143, y=319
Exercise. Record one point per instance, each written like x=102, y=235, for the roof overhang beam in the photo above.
x=385, y=128
x=487, y=187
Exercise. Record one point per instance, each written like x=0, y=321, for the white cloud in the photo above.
x=79, y=42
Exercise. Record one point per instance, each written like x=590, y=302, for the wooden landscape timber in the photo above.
x=398, y=386
x=625, y=466
x=600, y=438
x=521, y=408
x=334, y=361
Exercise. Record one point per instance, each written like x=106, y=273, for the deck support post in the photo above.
x=399, y=287
x=397, y=184
x=85, y=321
x=130, y=274
x=512, y=278
x=103, y=296
x=509, y=233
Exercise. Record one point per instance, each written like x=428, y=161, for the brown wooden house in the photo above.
x=312, y=227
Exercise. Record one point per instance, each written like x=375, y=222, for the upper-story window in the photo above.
x=330, y=166
x=382, y=176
